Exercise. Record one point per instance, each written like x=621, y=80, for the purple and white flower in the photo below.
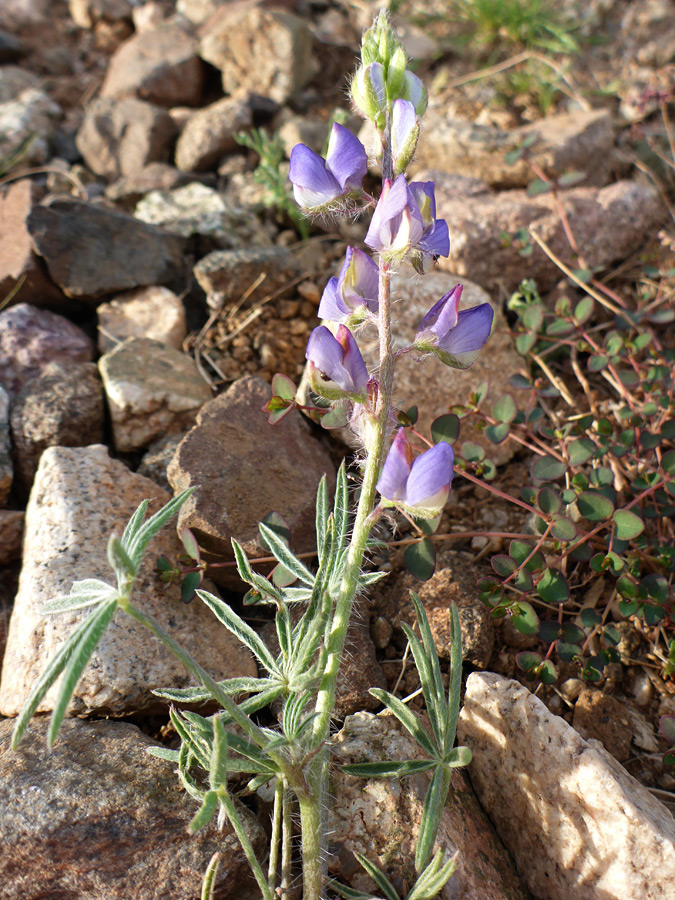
x=421, y=485
x=336, y=367
x=320, y=185
x=405, y=219
x=350, y=296
x=455, y=336
x=405, y=129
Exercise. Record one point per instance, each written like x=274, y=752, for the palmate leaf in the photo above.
x=341, y=505
x=95, y=625
x=201, y=695
x=455, y=685
x=408, y=719
x=84, y=593
x=250, y=577
x=228, y=617
x=285, y=556
x=321, y=514
x=434, y=878
x=205, y=813
x=138, y=534
x=378, y=876
x=434, y=803
x=390, y=768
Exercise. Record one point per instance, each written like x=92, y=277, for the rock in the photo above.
x=128, y=190
x=159, y=66
x=18, y=262
x=152, y=312
x=121, y=137
x=608, y=224
x=80, y=496
x=302, y=130
x=98, y=794
x=22, y=12
x=157, y=458
x=603, y=717
x=87, y=13
x=224, y=275
x=380, y=818
x=209, y=134
x=197, y=11
x=11, y=534
x=30, y=338
x=27, y=119
x=196, y=209
x=92, y=251
x=152, y=390
x=577, y=824
x=11, y=47
x=448, y=584
x=242, y=469
x=6, y=467
x=578, y=141
x=61, y=407
x=258, y=50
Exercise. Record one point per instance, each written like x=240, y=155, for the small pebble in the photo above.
x=641, y=688
x=381, y=632
x=308, y=290
x=571, y=688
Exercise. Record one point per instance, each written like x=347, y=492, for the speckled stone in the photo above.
x=380, y=818
x=209, y=134
x=152, y=312
x=79, y=497
x=30, y=338
x=98, y=817
x=224, y=275
x=6, y=467
x=577, y=824
x=242, y=468
x=64, y=407
x=152, y=390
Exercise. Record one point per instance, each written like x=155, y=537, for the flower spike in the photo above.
x=455, y=336
x=322, y=185
x=339, y=360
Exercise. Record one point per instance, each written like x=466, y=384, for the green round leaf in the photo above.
x=523, y=581
x=190, y=584
x=283, y=387
x=564, y=530
x=549, y=501
x=546, y=468
x=583, y=310
x=552, y=587
x=527, y=660
x=548, y=631
x=597, y=363
x=567, y=652
x=667, y=728
x=497, y=433
x=445, y=428
x=190, y=543
x=503, y=565
x=594, y=506
x=572, y=633
x=668, y=462
x=420, y=559
x=504, y=409
x=589, y=617
x=580, y=451
x=627, y=524
x=472, y=452
x=525, y=342
x=525, y=618
x=657, y=587
x=547, y=672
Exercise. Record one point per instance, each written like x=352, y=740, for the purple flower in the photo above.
x=405, y=218
x=318, y=183
x=455, y=336
x=419, y=486
x=405, y=129
x=339, y=360
x=354, y=291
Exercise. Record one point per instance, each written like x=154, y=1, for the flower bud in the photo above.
x=415, y=91
x=405, y=129
x=336, y=367
x=396, y=74
x=368, y=92
x=418, y=486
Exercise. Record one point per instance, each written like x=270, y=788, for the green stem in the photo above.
x=238, y=826
x=286, y=843
x=313, y=801
x=275, y=837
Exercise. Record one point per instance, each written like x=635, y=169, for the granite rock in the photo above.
x=80, y=496
x=380, y=818
x=152, y=390
x=160, y=66
x=577, y=824
x=242, y=469
x=152, y=312
x=261, y=51
x=99, y=796
x=30, y=338
x=122, y=136
x=92, y=251
x=579, y=141
x=61, y=407
x=28, y=118
x=209, y=134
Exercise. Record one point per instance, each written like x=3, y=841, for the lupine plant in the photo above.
x=312, y=605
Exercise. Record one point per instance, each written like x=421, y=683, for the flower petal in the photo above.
x=352, y=360
x=437, y=240
x=464, y=342
x=346, y=158
x=430, y=478
x=442, y=316
x=313, y=185
x=359, y=280
x=332, y=306
x=396, y=468
x=386, y=220
x=326, y=354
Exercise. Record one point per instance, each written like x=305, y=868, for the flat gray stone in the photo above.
x=577, y=824
x=79, y=498
x=98, y=818
x=11, y=533
x=209, y=134
x=152, y=390
x=152, y=312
